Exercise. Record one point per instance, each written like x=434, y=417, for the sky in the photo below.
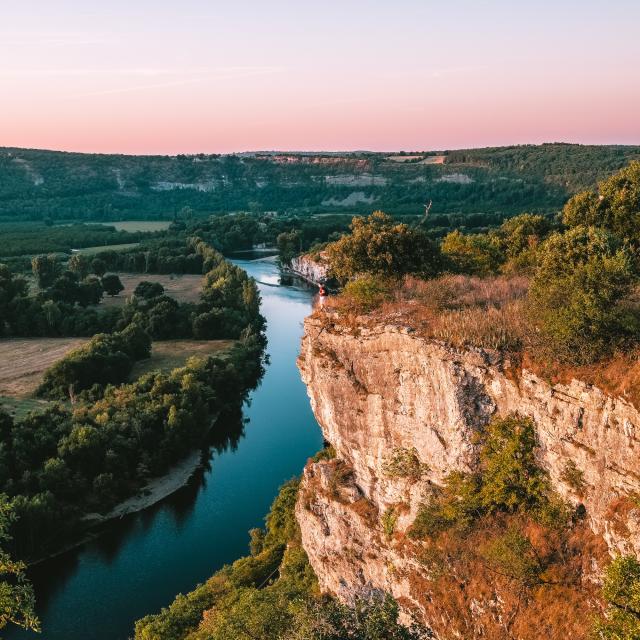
x=211, y=76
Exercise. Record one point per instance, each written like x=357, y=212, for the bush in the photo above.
x=379, y=247
x=366, y=293
x=621, y=592
x=577, y=293
x=509, y=480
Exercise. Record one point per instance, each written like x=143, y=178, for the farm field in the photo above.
x=184, y=287
x=167, y=355
x=140, y=225
x=23, y=362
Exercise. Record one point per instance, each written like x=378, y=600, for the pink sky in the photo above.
x=196, y=76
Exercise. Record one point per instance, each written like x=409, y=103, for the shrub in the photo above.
x=366, y=292
x=404, y=463
x=574, y=477
x=380, y=247
x=576, y=293
x=389, y=519
x=621, y=591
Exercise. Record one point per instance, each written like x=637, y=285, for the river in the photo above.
x=98, y=591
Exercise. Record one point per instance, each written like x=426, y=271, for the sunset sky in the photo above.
x=209, y=76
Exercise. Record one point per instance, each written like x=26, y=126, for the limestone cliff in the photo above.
x=306, y=267
x=379, y=391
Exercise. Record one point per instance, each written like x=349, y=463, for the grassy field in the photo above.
x=140, y=225
x=184, y=288
x=23, y=362
x=169, y=354
x=90, y=251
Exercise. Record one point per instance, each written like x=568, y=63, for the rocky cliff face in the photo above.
x=382, y=392
x=309, y=269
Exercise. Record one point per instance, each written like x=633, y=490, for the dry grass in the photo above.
x=460, y=310
x=184, y=288
x=23, y=362
x=170, y=354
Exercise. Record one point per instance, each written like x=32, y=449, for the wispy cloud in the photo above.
x=222, y=73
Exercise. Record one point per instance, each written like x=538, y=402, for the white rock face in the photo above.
x=379, y=391
x=309, y=269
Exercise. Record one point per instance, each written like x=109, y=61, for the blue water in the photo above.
x=99, y=590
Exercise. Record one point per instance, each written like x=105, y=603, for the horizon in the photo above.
x=157, y=79
x=312, y=152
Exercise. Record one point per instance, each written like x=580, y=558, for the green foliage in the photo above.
x=574, y=477
x=366, y=292
x=576, y=295
x=615, y=207
x=475, y=254
x=621, y=592
x=111, y=284
x=148, y=290
x=378, y=246
x=511, y=477
x=45, y=269
x=509, y=480
x=106, y=359
x=389, y=519
x=289, y=246
x=17, y=600
x=513, y=555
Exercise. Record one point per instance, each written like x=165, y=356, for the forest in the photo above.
x=46, y=185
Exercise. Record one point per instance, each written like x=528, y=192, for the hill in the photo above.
x=493, y=182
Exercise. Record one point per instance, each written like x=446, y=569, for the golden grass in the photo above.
x=23, y=362
x=184, y=287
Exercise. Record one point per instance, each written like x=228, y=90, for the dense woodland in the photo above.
x=37, y=185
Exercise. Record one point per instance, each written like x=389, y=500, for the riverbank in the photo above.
x=155, y=491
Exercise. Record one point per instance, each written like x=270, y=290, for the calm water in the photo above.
x=97, y=591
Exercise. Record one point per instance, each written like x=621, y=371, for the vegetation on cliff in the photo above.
x=273, y=594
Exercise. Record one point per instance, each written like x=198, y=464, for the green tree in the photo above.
x=577, y=293
x=17, y=600
x=289, y=245
x=621, y=591
x=380, y=247
x=45, y=269
x=80, y=265
x=111, y=284
x=476, y=254
x=615, y=207
x=99, y=267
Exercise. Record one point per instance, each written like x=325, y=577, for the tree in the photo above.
x=621, y=592
x=576, y=295
x=90, y=291
x=380, y=247
x=289, y=245
x=476, y=254
x=111, y=284
x=99, y=267
x=17, y=600
x=80, y=265
x=45, y=269
x=148, y=290
x=615, y=207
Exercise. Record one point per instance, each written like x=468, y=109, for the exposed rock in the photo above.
x=385, y=390
x=306, y=267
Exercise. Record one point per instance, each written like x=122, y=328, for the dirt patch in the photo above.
x=184, y=288
x=170, y=354
x=23, y=362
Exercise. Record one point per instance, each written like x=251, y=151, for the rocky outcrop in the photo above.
x=306, y=267
x=384, y=392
